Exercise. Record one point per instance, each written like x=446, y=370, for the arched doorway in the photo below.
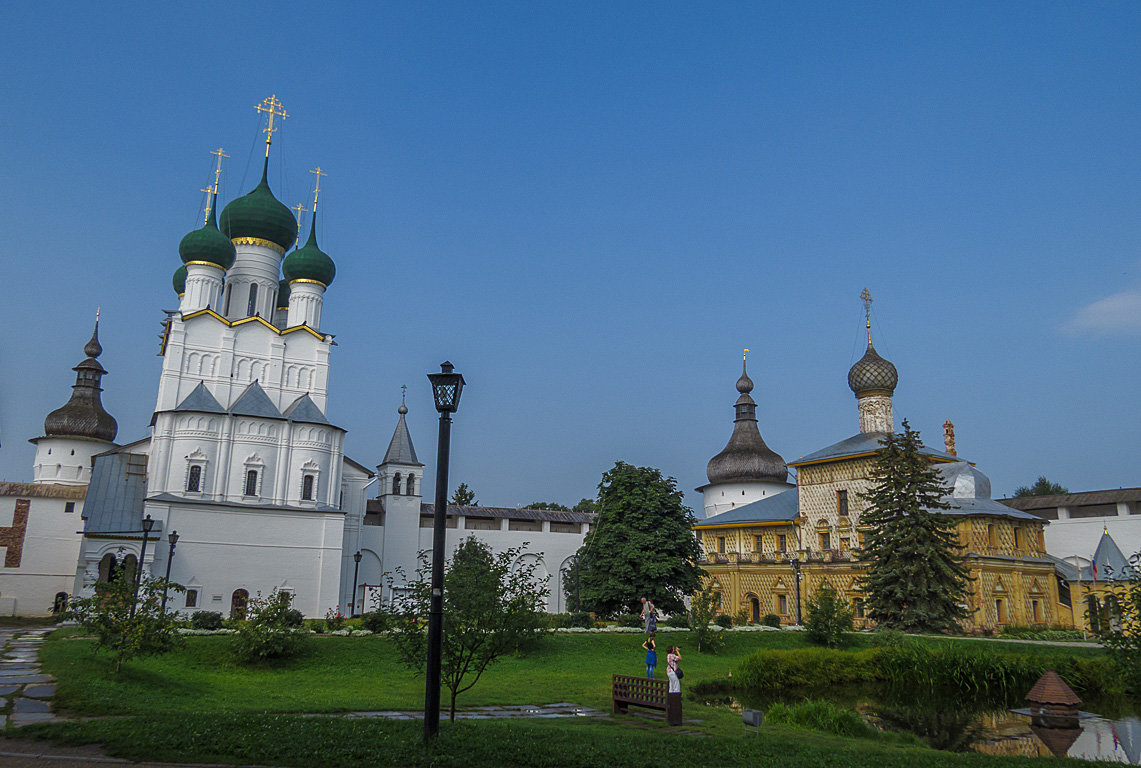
x=131, y=567
x=59, y=605
x=107, y=567
x=755, y=609
x=238, y=602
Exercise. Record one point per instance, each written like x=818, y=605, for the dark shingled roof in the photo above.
x=1052, y=689
x=400, y=449
x=775, y=509
x=857, y=445
x=1084, y=498
x=200, y=401
x=304, y=409
x=512, y=514
x=255, y=402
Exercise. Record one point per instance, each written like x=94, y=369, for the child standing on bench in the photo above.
x=651, y=656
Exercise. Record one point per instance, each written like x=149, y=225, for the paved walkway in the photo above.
x=25, y=692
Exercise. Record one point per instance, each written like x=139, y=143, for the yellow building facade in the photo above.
x=770, y=554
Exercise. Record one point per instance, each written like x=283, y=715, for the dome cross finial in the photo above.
x=274, y=108
x=866, y=297
x=317, y=187
x=300, y=210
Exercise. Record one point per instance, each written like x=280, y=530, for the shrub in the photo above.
x=1041, y=632
x=266, y=634
x=334, y=619
x=206, y=620
x=293, y=618
x=771, y=620
x=630, y=620
x=375, y=621
x=771, y=670
x=317, y=626
x=723, y=620
x=828, y=617
x=574, y=619
x=680, y=620
x=887, y=638
x=741, y=618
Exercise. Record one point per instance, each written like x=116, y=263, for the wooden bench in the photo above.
x=644, y=692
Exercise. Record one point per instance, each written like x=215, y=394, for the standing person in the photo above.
x=673, y=659
x=648, y=610
x=651, y=656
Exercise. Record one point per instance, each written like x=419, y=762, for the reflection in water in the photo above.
x=965, y=723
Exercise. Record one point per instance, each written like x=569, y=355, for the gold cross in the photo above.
x=745, y=355
x=317, y=189
x=273, y=107
x=218, y=169
x=209, y=199
x=866, y=297
x=300, y=209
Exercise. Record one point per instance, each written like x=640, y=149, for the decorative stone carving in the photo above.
x=875, y=414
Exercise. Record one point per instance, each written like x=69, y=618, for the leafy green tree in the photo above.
x=464, y=496
x=551, y=505
x=915, y=579
x=107, y=616
x=492, y=605
x=270, y=630
x=702, y=612
x=572, y=582
x=588, y=506
x=1116, y=620
x=1042, y=487
x=642, y=544
x=828, y=617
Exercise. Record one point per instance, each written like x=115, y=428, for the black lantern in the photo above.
x=148, y=525
x=172, y=539
x=446, y=388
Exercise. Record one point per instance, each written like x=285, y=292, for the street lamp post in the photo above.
x=796, y=571
x=173, y=539
x=446, y=388
x=356, y=569
x=148, y=524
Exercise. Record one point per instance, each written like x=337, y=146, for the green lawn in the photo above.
x=197, y=704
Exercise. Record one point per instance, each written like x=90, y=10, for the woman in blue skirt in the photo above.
x=651, y=656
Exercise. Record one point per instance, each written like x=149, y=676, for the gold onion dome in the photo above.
x=179, y=280
x=207, y=244
x=746, y=458
x=260, y=215
x=872, y=374
x=83, y=415
x=309, y=262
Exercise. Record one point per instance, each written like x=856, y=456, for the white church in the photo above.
x=241, y=462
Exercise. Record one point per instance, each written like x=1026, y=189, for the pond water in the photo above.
x=961, y=723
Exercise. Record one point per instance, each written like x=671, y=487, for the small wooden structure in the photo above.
x=644, y=692
x=1053, y=704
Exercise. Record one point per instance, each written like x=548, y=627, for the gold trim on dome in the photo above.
x=206, y=264
x=307, y=280
x=260, y=242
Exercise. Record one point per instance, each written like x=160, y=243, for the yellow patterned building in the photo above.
x=769, y=553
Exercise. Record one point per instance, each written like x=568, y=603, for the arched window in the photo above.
x=411, y=489
x=991, y=540
x=396, y=484
x=130, y=566
x=238, y=602
x=194, y=479
x=251, y=309
x=251, y=482
x=307, y=488
x=107, y=567
x=59, y=605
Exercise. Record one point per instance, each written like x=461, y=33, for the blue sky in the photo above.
x=591, y=208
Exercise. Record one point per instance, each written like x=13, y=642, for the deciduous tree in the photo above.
x=642, y=544
x=1042, y=487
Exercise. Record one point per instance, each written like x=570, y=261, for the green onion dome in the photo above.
x=309, y=262
x=180, y=280
x=261, y=216
x=283, y=294
x=207, y=244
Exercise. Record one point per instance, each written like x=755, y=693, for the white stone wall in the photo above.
x=722, y=497
x=65, y=460
x=47, y=563
x=1068, y=537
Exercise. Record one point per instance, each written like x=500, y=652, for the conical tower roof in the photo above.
x=746, y=457
x=83, y=415
x=400, y=448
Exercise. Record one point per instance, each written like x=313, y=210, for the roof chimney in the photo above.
x=949, y=437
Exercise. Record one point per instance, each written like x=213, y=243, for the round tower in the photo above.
x=747, y=470
x=79, y=429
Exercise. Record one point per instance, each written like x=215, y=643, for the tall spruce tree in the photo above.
x=642, y=544
x=915, y=579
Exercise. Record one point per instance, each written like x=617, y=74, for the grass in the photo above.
x=198, y=704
